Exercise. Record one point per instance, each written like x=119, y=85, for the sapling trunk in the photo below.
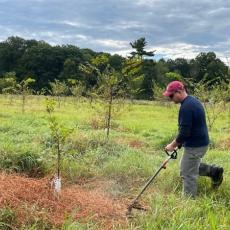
x=23, y=102
x=58, y=158
x=109, y=112
x=59, y=102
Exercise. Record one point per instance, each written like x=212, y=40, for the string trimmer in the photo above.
x=135, y=203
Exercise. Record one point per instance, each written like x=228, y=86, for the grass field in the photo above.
x=118, y=167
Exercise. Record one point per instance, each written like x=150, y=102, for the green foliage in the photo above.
x=171, y=76
x=146, y=67
x=8, y=221
x=46, y=63
x=10, y=86
x=74, y=225
x=71, y=69
x=180, y=66
x=23, y=89
x=59, y=133
x=30, y=164
x=8, y=83
x=77, y=88
x=150, y=75
x=7, y=217
x=139, y=46
x=27, y=163
x=58, y=88
x=210, y=69
x=132, y=77
x=113, y=84
x=214, y=100
x=157, y=92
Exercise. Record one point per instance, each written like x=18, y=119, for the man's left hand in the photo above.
x=170, y=147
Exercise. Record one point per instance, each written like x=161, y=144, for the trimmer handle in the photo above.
x=173, y=154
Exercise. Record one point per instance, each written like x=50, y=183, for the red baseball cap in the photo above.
x=172, y=87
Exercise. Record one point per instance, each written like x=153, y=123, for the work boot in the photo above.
x=216, y=176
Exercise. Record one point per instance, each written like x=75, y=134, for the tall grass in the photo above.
x=25, y=147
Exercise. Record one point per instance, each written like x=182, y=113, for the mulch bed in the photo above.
x=34, y=199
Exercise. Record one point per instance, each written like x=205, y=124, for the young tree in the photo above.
x=113, y=84
x=58, y=89
x=77, y=88
x=59, y=134
x=5, y=82
x=157, y=92
x=8, y=85
x=24, y=89
x=213, y=98
x=139, y=45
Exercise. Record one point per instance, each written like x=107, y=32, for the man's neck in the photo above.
x=183, y=97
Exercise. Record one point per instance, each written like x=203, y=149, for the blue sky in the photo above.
x=174, y=28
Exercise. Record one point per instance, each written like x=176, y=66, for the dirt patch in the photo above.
x=136, y=144
x=25, y=194
x=133, y=143
x=224, y=144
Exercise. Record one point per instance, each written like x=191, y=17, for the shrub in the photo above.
x=27, y=162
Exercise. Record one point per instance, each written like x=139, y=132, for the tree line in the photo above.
x=84, y=70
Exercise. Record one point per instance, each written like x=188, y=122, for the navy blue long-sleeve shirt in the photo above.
x=193, y=130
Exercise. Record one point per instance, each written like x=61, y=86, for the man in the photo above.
x=193, y=136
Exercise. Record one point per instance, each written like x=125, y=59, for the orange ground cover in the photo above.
x=34, y=198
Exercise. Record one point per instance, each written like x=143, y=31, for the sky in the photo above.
x=174, y=28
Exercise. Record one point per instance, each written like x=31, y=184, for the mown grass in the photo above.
x=132, y=154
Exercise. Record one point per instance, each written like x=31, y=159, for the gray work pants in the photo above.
x=191, y=167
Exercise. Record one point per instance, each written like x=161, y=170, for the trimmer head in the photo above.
x=135, y=205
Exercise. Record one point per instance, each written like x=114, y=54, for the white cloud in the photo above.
x=125, y=25
x=82, y=37
x=172, y=50
x=176, y=50
x=74, y=23
x=146, y=2
x=123, y=52
x=70, y=23
x=112, y=43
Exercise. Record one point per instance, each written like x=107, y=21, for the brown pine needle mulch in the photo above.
x=34, y=198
